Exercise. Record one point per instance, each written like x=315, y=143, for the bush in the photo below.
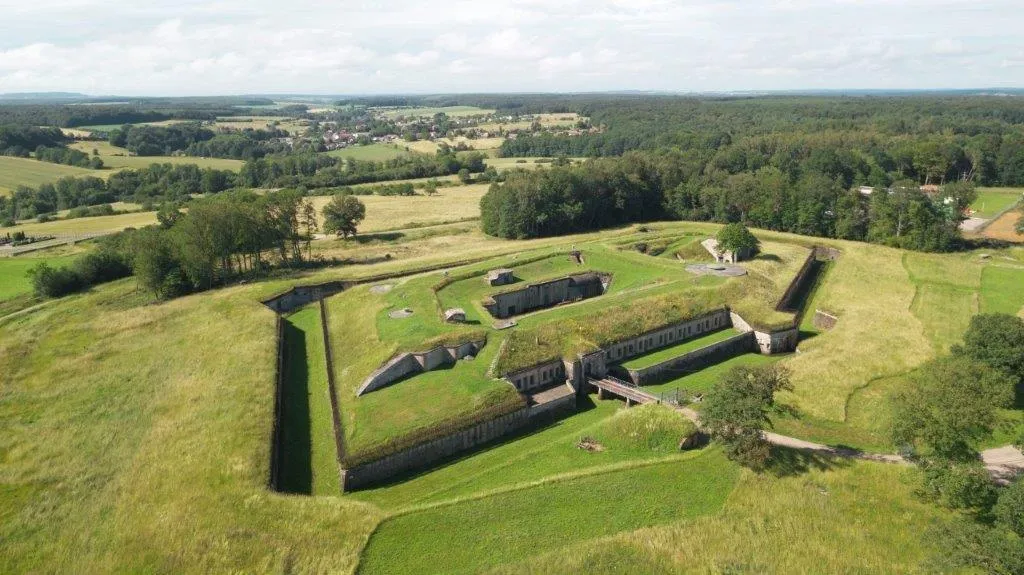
x=1009, y=510
x=963, y=544
x=960, y=486
x=101, y=267
x=54, y=282
x=174, y=285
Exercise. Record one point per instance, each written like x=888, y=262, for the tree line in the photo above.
x=640, y=186
x=20, y=141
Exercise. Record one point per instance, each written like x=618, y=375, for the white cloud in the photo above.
x=153, y=47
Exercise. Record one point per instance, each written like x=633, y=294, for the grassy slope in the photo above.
x=512, y=526
x=1002, y=290
x=309, y=462
x=135, y=438
x=16, y=172
x=818, y=516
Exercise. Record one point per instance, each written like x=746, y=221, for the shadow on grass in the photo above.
x=768, y=258
x=295, y=455
x=543, y=423
x=788, y=462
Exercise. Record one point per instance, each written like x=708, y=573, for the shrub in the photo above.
x=174, y=285
x=960, y=486
x=101, y=267
x=964, y=544
x=54, y=282
x=1009, y=510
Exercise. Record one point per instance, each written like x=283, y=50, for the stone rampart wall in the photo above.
x=386, y=468
x=537, y=376
x=690, y=361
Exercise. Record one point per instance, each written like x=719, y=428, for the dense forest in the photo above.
x=642, y=186
x=142, y=110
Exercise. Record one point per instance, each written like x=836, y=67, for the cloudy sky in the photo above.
x=205, y=47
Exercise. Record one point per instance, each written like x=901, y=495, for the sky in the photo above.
x=206, y=47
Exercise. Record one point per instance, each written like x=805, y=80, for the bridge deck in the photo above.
x=624, y=390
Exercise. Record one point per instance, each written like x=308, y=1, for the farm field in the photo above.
x=116, y=158
x=431, y=147
x=16, y=172
x=450, y=204
x=121, y=457
x=94, y=225
x=567, y=120
x=373, y=152
x=992, y=201
x=453, y=111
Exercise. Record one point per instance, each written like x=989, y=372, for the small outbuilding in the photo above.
x=725, y=256
x=500, y=277
x=455, y=315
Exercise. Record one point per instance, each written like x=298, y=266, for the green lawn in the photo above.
x=16, y=172
x=471, y=535
x=991, y=201
x=372, y=152
x=704, y=379
x=667, y=353
x=14, y=279
x=1002, y=290
x=407, y=408
x=309, y=461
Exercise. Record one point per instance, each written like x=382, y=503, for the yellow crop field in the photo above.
x=117, y=158
x=393, y=212
x=16, y=172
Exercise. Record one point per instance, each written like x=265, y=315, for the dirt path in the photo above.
x=1004, y=463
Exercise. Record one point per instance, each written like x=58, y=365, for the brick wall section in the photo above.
x=691, y=361
x=332, y=390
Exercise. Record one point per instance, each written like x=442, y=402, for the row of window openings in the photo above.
x=528, y=381
x=661, y=338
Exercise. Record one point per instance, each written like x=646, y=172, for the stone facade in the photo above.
x=431, y=452
x=725, y=256
x=546, y=294
x=299, y=296
x=409, y=363
x=538, y=376
x=690, y=361
x=500, y=277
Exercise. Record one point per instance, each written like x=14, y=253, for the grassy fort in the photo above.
x=423, y=366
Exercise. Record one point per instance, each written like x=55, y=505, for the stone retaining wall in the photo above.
x=538, y=375
x=275, y=441
x=408, y=363
x=690, y=361
x=299, y=296
x=332, y=390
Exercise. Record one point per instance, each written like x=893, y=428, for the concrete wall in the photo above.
x=537, y=376
x=690, y=361
x=781, y=341
x=408, y=363
x=787, y=302
x=562, y=405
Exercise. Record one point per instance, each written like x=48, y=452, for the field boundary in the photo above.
x=1002, y=213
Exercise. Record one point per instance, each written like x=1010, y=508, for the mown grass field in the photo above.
x=93, y=225
x=115, y=158
x=16, y=172
x=14, y=278
x=371, y=153
x=450, y=204
x=135, y=438
x=991, y=201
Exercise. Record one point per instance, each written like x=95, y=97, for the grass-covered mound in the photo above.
x=650, y=428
